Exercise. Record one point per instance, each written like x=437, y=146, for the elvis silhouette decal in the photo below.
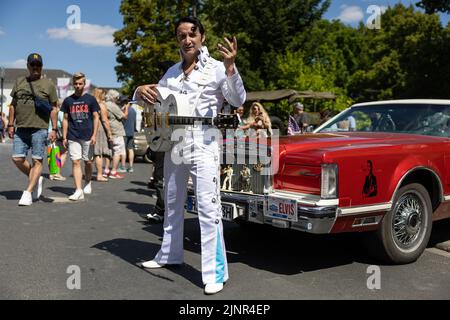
x=370, y=184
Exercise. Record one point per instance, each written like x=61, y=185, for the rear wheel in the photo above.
x=404, y=232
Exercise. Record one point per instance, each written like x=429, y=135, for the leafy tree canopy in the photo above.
x=433, y=6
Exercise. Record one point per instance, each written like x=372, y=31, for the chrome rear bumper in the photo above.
x=314, y=215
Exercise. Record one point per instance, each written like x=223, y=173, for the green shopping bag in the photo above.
x=54, y=158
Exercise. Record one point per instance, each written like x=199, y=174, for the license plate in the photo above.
x=280, y=208
x=229, y=210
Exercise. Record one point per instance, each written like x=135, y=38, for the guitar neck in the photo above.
x=185, y=120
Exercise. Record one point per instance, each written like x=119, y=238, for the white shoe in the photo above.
x=155, y=217
x=87, y=189
x=212, y=288
x=152, y=264
x=26, y=199
x=37, y=191
x=78, y=195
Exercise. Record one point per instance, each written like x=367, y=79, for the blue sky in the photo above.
x=353, y=11
x=41, y=26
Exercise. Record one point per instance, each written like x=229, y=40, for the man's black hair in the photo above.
x=194, y=20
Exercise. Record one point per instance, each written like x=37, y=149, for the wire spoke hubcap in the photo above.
x=407, y=222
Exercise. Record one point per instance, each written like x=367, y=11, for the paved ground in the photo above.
x=107, y=235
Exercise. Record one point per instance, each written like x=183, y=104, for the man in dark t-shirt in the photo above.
x=80, y=124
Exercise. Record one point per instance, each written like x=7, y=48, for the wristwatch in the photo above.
x=55, y=129
x=10, y=126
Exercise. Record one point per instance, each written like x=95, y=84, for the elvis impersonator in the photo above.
x=205, y=83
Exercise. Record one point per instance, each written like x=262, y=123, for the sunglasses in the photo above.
x=36, y=64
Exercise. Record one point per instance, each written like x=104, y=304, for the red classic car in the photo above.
x=379, y=167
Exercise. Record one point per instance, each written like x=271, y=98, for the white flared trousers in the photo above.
x=199, y=160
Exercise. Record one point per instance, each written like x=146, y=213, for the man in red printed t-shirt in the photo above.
x=80, y=126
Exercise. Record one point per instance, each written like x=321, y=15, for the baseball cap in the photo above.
x=298, y=105
x=34, y=57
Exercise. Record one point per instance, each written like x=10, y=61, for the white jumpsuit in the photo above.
x=202, y=165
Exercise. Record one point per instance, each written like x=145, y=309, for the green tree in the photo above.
x=264, y=29
x=295, y=73
x=433, y=6
x=407, y=58
x=147, y=39
x=341, y=50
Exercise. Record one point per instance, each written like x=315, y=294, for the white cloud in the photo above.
x=21, y=64
x=351, y=14
x=2, y=33
x=91, y=35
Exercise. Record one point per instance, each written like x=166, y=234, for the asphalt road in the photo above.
x=106, y=236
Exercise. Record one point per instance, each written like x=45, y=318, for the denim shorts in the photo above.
x=26, y=138
x=129, y=142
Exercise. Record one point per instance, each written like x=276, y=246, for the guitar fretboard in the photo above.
x=184, y=120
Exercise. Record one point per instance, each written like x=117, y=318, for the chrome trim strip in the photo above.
x=240, y=196
x=364, y=209
x=300, y=197
x=365, y=225
x=306, y=199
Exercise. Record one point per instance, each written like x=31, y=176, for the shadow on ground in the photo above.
x=140, y=208
x=11, y=195
x=279, y=251
x=139, y=183
x=64, y=190
x=440, y=232
x=135, y=252
x=140, y=191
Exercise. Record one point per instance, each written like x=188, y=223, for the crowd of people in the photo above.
x=85, y=128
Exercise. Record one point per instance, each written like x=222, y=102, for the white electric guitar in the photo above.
x=173, y=112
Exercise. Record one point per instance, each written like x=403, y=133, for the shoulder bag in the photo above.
x=42, y=106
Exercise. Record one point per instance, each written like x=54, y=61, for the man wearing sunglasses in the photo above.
x=28, y=127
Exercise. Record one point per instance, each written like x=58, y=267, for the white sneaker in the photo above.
x=87, y=188
x=152, y=264
x=37, y=191
x=212, y=288
x=26, y=199
x=78, y=195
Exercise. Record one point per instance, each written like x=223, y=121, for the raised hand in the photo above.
x=229, y=55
